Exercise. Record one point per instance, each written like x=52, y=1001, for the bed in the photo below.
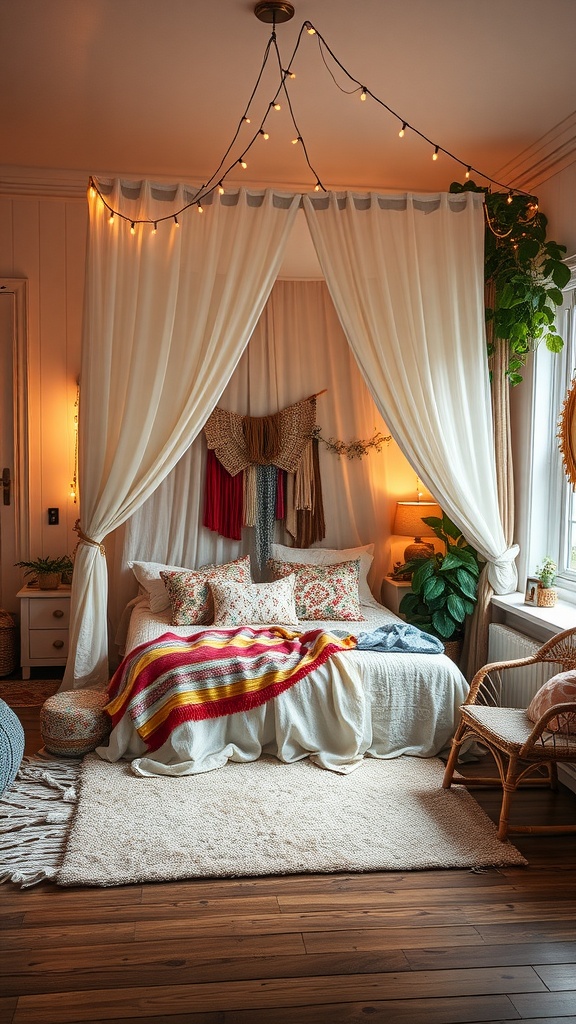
x=359, y=703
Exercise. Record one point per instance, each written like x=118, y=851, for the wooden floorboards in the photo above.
x=425, y=947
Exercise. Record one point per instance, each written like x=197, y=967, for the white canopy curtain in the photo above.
x=406, y=277
x=167, y=316
x=298, y=348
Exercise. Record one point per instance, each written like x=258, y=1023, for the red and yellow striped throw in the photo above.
x=214, y=672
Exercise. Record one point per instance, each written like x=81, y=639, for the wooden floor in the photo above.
x=423, y=947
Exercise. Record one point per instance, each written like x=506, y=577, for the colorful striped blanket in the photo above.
x=214, y=672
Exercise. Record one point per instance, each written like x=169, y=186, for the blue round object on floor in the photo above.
x=11, y=745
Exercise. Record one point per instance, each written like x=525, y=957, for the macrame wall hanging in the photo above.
x=261, y=469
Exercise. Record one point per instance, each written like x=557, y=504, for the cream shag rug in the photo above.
x=266, y=818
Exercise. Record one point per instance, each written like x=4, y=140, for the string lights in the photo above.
x=273, y=11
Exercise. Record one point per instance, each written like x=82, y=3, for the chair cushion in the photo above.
x=74, y=722
x=561, y=689
x=510, y=726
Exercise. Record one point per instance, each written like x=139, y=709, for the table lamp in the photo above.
x=408, y=523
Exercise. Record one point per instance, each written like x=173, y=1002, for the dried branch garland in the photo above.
x=354, y=449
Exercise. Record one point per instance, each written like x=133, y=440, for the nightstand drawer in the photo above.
x=50, y=612
x=48, y=643
x=44, y=622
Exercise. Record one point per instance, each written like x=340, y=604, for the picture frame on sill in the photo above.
x=531, y=591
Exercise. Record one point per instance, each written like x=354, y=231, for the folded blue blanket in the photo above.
x=400, y=637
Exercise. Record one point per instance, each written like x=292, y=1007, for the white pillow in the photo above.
x=148, y=576
x=330, y=556
x=241, y=604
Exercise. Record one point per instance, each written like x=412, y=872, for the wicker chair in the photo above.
x=524, y=751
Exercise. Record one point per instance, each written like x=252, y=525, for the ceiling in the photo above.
x=157, y=88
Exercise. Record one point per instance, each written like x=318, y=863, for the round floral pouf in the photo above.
x=74, y=722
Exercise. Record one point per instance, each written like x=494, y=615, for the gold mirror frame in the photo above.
x=567, y=433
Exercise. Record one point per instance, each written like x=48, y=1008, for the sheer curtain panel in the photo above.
x=406, y=274
x=167, y=316
x=298, y=348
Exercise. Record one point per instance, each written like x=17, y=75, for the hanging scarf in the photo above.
x=257, y=451
x=277, y=440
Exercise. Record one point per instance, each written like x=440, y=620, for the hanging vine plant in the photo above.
x=526, y=271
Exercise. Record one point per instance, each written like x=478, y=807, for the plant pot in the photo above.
x=453, y=650
x=48, y=580
x=547, y=597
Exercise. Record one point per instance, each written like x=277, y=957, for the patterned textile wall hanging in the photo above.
x=261, y=469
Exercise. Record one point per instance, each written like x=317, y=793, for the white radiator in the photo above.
x=519, y=684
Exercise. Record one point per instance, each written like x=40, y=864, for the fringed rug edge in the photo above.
x=35, y=815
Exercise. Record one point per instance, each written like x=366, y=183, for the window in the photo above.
x=567, y=524
x=553, y=502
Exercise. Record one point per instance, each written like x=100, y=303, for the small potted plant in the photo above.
x=546, y=574
x=47, y=571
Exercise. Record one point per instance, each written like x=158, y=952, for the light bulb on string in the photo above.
x=285, y=73
x=154, y=227
x=200, y=208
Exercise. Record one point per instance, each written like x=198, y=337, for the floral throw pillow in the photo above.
x=190, y=595
x=328, y=592
x=239, y=604
x=561, y=689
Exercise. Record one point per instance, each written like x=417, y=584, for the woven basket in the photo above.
x=8, y=645
x=547, y=597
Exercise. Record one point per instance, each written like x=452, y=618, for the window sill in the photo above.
x=540, y=623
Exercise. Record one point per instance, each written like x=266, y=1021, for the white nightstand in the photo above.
x=392, y=592
x=44, y=621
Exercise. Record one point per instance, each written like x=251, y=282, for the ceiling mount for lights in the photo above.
x=274, y=11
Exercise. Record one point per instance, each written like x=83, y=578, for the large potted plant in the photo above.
x=47, y=571
x=444, y=587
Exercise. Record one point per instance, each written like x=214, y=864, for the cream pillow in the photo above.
x=561, y=689
x=149, y=577
x=239, y=604
x=331, y=556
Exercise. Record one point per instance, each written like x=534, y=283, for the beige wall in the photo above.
x=43, y=240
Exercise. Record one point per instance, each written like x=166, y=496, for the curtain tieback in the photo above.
x=502, y=574
x=88, y=540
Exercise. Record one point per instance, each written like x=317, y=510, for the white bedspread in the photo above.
x=359, y=703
